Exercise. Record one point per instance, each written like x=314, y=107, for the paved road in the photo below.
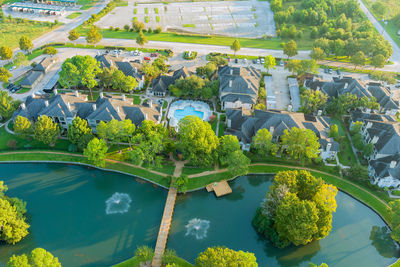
x=396, y=50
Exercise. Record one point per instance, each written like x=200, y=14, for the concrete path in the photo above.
x=164, y=227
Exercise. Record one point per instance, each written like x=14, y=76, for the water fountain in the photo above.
x=118, y=203
x=197, y=228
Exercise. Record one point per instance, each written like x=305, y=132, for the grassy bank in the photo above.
x=134, y=262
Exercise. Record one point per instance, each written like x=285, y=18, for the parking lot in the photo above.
x=228, y=18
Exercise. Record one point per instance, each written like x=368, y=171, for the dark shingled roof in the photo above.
x=32, y=78
x=382, y=166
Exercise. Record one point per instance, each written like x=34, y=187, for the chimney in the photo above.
x=94, y=106
x=117, y=109
x=271, y=130
x=145, y=116
x=328, y=147
x=369, y=125
x=55, y=91
x=230, y=83
x=229, y=123
x=150, y=103
x=393, y=164
x=101, y=95
x=76, y=93
x=123, y=97
x=231, y=71
x=375, y=139
x=46, y=103
x=318, y=88
x=319, y=112
x=346, y=85
x=69, y=106
x=249, y=85
x=23, y=106
x=368, y=111
x=135, y=70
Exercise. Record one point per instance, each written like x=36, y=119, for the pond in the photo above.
x=76, y=214
x=359, y=237
x=88, y=217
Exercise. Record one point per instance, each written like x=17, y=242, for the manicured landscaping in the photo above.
x=396, y=193
x=74, y=15
x=135, y=262
x=346, y=155
x=273, y=43
x=86, y=4
x=136, y=100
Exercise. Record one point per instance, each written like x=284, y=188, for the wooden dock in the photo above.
x=220, y=188
x=164, y=227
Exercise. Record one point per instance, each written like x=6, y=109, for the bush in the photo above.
x=189, y=55
x=158, y=30
x=126, y=27
x=144, y=253
x=149, y=30
x=12, y=143
x=116, y=29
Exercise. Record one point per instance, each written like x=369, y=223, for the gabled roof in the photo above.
x=235, y=80
x=181, y=73
x=161, y=83
x=31, y=78
x=382, y=166
x=246, y=99
x=44, y=64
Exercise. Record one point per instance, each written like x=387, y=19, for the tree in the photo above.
x=73, y=35
x=151, y=139
x=235, y=46
x=46, y=131
x=368, y=149
x=136, y=155
x=300, y=143
x=227, y=145
x=141, y=39
x=93, y=36
x=160, y=64
x=317, y=53
x=206, y=71
x=150, y=71
x=144, y=253
x=138, y=26
x=290, y=49
x=106, y=77
x=25, y=43
x=355, y=127
x=7, y=105
x=181, y=183
x=80, y=69
x=269, y=63
x=96, y=152
x=222, y=257
x=197, y=141
x=380, y=9
x=262, y=142
x=6, y=53
x=297, y=209
x=378, y=61
x=50, y=50
x=219, y=60
x=22, y=127
x=21, y=60
x=4, y=75
x=357, y=172
x=314, y=265
x=13, y=225
x=293, y=65
x=259, y=106
x=334, y=131
x=122, y=82
x=312, y=101
x=37, y=257
x=358, y=59
x=238, y=163
x=394, y=211
x=79, y=133
x=190, y=86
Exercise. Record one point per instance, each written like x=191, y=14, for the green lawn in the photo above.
x=86, y=4
x=396, y=192
x=136, y=100
x=346, y=155
x=194, y=170
x=273, y=43
x=11, y=32
x=74, y=15
x=134, y=262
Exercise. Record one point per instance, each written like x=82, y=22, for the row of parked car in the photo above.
x=13, y=88
x=330, y=71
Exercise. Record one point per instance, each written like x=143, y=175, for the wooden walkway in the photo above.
x=164, y=227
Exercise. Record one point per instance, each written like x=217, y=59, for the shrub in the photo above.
x=12, y=143
x=158, y=29
x=126, y=27
x=149, y=30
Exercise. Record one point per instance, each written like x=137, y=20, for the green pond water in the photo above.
x=76, y=215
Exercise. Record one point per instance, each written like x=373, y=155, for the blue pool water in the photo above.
x=187, y=111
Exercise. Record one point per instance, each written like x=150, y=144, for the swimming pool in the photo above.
x=188, y=111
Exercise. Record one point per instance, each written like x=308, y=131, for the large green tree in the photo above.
x=46, y=131
x=5, y=75
x=141, y=39
x=79, y=133
x=298, y=209
x=394, y=210
x=14, y=227
x=25, y=43
x=225, y=257
x=269, y=63
x=7, y=105
x=300, y=143
x=73, y=35
x=93, y=36
x=238, y=163
x=6, y=53
x=191, y=86
x=312, y=100
x=80, y=69
x=262, y=143
x=37, y=258
x=96, y=152
x=197, y=141
x=358, y=59
x=22, y=127
x=227, y=145
x=21, y=59
x=290, y=49
x=235, y=46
